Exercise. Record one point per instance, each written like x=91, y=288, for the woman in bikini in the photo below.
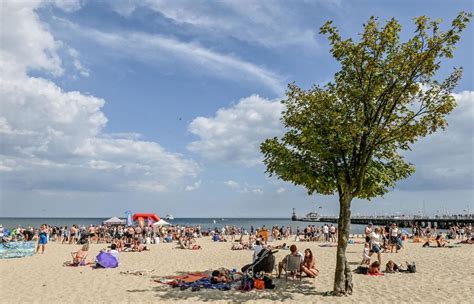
x=79, y=257
x=309, y=264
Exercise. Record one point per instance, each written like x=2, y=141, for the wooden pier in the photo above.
x=442, y=222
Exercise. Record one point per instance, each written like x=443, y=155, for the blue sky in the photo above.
x=160, y=106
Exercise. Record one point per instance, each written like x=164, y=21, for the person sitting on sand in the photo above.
x=391, y=267
x=114, y=252
x=309, y=264
x=293, y=251
x=440, y=241
x=79, y=257
x=374, y=268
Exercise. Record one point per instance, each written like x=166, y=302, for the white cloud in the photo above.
x=25, y=41
x=76, y=63
x=55, y=140
x=257, y=191
x=445, y=159
x=231, y=184
x=161, y=50
x=234, y=135
x=68, y=5
x=194, y=186
x=280, y=190
x=266, y=23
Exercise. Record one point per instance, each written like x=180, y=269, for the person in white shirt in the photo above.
x=258, y=247
x=113, y=251
x=375, y=239
x=394, y=238
x=326, y=232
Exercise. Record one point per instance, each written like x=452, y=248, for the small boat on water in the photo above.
x=169, y=217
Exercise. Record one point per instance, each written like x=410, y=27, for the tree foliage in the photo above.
x=347, y=136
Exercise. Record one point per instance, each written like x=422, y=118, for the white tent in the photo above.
x=161, y=222
x=114, y=221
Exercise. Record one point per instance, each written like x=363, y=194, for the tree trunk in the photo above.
x=343, y=276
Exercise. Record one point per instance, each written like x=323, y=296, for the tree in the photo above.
x=348, y=136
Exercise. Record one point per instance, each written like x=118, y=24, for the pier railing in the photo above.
x=442, y=221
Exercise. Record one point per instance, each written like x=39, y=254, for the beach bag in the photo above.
x=268, y=283
x=411, y=268
x=246, y=284
x=259, y=284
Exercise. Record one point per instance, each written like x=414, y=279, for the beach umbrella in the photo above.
x=114, y=221
x=161, y=222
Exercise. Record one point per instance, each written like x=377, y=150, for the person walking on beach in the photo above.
x=375, y=239
x=43, y=239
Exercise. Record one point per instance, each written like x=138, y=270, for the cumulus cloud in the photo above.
x=26, y=44
x=55, y=140
x=445, y=160
x=234, y=134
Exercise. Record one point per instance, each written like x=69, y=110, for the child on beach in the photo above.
x=374, y=269
x=366, y=252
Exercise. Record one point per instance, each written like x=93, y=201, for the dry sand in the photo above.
x=444, y=275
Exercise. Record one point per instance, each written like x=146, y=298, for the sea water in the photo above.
x=205, y=223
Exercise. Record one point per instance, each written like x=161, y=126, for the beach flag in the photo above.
x=150, y=222
x=128, y=215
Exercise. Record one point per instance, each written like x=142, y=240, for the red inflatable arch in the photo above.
x=145, y=216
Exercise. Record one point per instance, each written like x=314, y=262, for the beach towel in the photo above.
x=195, y=281
x=106, y=260
x=16, y=249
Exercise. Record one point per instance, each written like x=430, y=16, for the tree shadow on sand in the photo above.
x=284, y=290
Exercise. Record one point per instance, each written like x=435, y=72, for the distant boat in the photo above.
x=169, y=217
x=214, y=221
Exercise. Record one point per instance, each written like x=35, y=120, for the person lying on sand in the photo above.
x=221, y=275
x=374, y=268
x=392, y=267
x=281, y=246
x=471, y=241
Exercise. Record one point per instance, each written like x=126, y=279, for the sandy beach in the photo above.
x=443, y=275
